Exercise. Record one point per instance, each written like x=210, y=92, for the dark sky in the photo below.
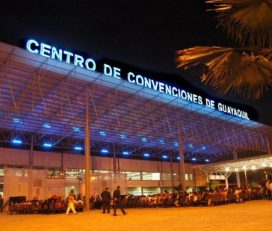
x=138, y=34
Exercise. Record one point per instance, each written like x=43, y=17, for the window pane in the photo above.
x=151, y=176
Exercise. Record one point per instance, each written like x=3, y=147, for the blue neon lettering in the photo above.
x=29, y=45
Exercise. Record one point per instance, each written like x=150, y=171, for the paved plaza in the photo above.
x=253, y=215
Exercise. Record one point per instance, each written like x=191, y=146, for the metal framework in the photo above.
x=46, y=98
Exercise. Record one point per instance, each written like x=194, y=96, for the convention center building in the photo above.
x=69, y=122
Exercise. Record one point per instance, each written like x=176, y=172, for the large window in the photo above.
x=151, y=191
x=189, y=176
x=137, y=191
x=151, y=175
x=133, y=175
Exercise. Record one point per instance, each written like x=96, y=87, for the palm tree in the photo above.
x=246, y=70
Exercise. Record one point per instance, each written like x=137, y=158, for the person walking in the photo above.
x=71, y=203
x=106, y=199
x=117, y=201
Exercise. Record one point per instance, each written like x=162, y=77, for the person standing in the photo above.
x=71, y=203
x=117, y=201
x=106, y=199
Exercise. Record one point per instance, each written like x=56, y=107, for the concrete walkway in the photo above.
x=254, y=215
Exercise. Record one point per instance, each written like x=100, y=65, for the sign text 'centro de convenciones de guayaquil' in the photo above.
x=52, y=52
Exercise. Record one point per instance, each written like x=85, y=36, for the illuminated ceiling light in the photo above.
x=165, y=157
x=176, y=144
x=236, y=169
x=161, y=141
x=244, y=167
x=203, y=148
x=146, y=155
x=78, y=148
x=193, y=159
x=263, y=164
x=104, y=151
x=17, y=121
x=144, y=139
x=47, y=125
x=122, y=136
x=102, y=133
x=125, y=153
x=47, y=145
x=270, y=165
x=207, y=160
x=178, y=158
x=191, y=146
x=226, y=169
x=16, y=141
x=76, y=129
x=253, y=167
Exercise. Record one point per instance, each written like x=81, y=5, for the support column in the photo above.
x=181, y=164
x=114, y=159
x=87, y=152
x=238, y=181
x=30, y=169
x=245, y=171
x=171, y=170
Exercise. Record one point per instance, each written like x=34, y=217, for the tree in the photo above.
x=246, y=70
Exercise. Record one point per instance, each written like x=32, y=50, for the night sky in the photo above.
x=139, y=35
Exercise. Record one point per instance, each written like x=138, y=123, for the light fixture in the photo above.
x=46, y=125
x=78, y=148
x=47, y=145
x=191, y=146
x=76, y=129
x=193, y=159
x=144, y=139
x=253, y=167
x=207, y=160
x=102, y=133
x=146, y=155
x=226, y=169
x=236, y=169
x=244, y=167
x=125, y=153
x=178, y=158
x=164, y=156
x=162, y=141
x=104, y=151
x=17, y=141
x=122, y=136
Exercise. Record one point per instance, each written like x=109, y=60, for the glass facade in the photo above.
x=151, y=176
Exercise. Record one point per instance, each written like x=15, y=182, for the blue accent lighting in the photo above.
x=176, y=144
x=191, y=146
x=146, y=155
x=193, y=159
x=46, y=125
x=161, y=141
x=125, y=153
x=178, y=158
x=16, y=141
x=104, y=151
x=102, y=133
x=122, y=136
x=47, y=145
x=17, y=121
x=144, y=139
x=165, y=157
x=76, y=129
x=203, y=148
x=207, y=160
x=78, y=148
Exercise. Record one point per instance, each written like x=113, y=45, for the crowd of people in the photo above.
x=107, y=201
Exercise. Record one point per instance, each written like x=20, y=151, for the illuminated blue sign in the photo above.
x=69, y=57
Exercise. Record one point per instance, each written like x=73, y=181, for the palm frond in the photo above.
x=248, y=22
x=230, y=70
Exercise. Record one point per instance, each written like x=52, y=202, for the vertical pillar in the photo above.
x=87, y=152
x=245, y=171
x=171, y=170
x=181, y=164
x=227, y=181
x=238, y=181
x=30, y=169
x=114, y=159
